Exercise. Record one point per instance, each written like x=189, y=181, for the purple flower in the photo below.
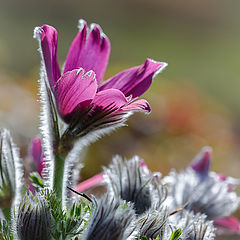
x=36, y=153
x=201, y=163
x=207, y=192
x=80, y=94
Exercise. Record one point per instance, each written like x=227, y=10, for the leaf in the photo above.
x=5, y=231
x=36, y=179
x=176, y=234
x=67, y=223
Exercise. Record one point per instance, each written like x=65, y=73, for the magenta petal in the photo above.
x=36, y=150
x=91, y=182
x=75, y=89
x=222, y=177
x=49, y=39
x=89, y=51
x=139, y=105
x=229, y=224
x=135, y=81
x=202, y=161
x=110, y=98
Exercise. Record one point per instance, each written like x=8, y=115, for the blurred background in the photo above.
x=195, y=101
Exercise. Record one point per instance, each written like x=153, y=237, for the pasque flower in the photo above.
x=81, y=97
x=36, y=153
x=111, y=219
x=11, y=172
x=133, y=182
x=206, y=192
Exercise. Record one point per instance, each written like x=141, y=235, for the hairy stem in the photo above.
x=59, y=161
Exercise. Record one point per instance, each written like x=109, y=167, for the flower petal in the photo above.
x=135, y=81
x=91, y=182
x=202, y=161
x=139, y=105
x=229, y=224
x=37, y=154
x=89, y=51
x=75, y=89
x=109, y=98
x=48, y=38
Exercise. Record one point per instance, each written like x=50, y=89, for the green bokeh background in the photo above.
x=198, y=39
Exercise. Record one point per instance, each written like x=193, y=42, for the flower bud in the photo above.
x=11, y=171
x=33, y=219
x=111, y=219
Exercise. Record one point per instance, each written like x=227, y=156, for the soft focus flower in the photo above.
x=132, y=181
x=34, y=162
x=89, y=183
x=227, y=225
x=11, y=171
x=111, y=219
x=194, y=226
x=82, y=99
x=204, y=190
x=36, y=153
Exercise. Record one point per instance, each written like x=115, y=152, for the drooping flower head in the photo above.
x=82, y=99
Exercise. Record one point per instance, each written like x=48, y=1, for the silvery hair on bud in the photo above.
x=194, y=226
x=11, y=166
x=155, y=224
x=33, y=220
x=111, y=219
x=131, y=181
x=210, y=195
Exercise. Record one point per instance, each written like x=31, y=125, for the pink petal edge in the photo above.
x=110, y=98
x=73, y=89
x=89, y=51
x=136, y=80
x=201, y=163
x=139, y=105
x=93, y=181
x=49, y=43
x=230, y=224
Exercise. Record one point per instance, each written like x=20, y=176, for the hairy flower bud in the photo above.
x=11, y=171
x=203, y=189
x=132, y=181
x=111, y=219
x=33, y=219
x=155, y=224
x=195, y=226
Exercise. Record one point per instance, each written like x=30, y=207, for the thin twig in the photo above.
x=81, y=194
x=179, y=209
